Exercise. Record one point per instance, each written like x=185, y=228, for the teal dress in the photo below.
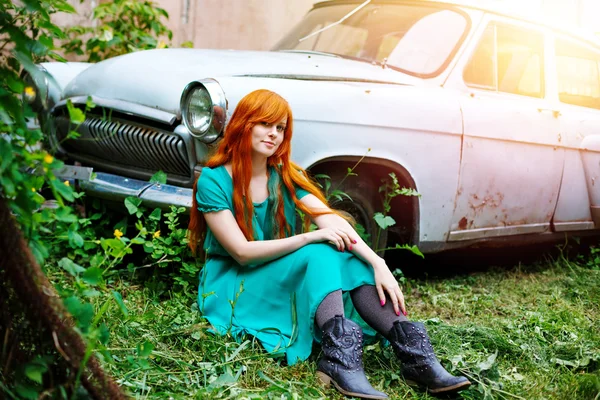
x=273, y=301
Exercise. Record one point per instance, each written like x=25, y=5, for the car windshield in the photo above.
x=416, y=39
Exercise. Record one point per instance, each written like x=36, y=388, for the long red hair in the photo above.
x=236, y=148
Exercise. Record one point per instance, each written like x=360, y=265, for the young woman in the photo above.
x=288, y=290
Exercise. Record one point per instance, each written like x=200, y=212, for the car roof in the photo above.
x=489, y=6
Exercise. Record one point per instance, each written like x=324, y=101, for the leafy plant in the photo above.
x=122, y=26
x=25, y=168
x=390, y=189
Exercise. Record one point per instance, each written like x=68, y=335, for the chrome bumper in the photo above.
x=117, y=188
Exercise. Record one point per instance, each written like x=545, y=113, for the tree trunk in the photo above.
x=34, y=321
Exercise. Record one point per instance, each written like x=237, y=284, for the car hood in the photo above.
x=156, y=78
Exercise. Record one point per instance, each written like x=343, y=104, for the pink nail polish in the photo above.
x=398, y=313
x=405, y=313
x=382, y=303
x=349, y=247
x=354, y=241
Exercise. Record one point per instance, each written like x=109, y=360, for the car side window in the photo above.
x=578, y=74
x=509, y=60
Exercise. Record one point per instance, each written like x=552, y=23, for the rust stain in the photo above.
x=491, y=201
x=462, y=224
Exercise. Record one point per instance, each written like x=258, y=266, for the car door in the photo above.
x=512, y=158
x=577, y=72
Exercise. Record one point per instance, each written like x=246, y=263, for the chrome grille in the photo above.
x=128, y=144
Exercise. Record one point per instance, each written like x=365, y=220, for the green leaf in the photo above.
x=132, y=204
x=64, y=7
x=114, y=246
x=120, y=303
x=65, y=214
x=92, y=275
x=82, y=312
x=340, y=195
x=145, y=349
x=70, y=266
x=384, y=221
x=56, y=56
x=159, y=177
x=414, y=249
x=27, y=392
x=35, y=371
x=488, y=363
x=225, y=379
x=75, y=114
x=66, y=192
x=409, y=192
x=156, y=214
x=75, y=239
x=138, y=240
x=89, y=103
x=106, y=35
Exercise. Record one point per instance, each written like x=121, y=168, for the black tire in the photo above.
x=366, y=201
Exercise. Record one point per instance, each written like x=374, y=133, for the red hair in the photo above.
x=236, y=148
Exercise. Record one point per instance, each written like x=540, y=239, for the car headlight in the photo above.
x=204, y=109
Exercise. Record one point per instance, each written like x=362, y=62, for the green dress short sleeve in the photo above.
x=214, y=192
x=210, y=194
x=300, y=193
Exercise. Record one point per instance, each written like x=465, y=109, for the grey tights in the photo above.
x=366, y=301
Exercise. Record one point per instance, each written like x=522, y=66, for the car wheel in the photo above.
x=364, y=203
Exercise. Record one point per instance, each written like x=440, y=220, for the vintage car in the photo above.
x=493, y=118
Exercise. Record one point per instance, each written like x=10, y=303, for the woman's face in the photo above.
x=267, y=137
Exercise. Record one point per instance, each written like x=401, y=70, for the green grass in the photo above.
x=521, y=332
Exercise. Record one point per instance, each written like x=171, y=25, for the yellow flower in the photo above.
x=156, y=235
x=33, y=189
x=118, y=233
x=67, y=183
x=161, y=44
x=96, y=49
x=29, y=93
x=48, y=159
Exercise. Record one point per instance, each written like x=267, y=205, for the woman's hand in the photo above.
x=386, y=282
x=340, y=238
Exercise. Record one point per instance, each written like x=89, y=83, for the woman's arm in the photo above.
x=226, y=230
x=384, y=279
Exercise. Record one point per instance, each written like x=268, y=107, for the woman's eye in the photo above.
x=280, y=128
x=265, y=123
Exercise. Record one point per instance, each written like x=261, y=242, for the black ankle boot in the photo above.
x=419, y=364
x=341, y=363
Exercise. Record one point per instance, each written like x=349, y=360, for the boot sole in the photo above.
x=326, y=382
x=447, y=389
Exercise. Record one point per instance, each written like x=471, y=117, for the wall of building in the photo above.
x=218, y=24
x=233, y=24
